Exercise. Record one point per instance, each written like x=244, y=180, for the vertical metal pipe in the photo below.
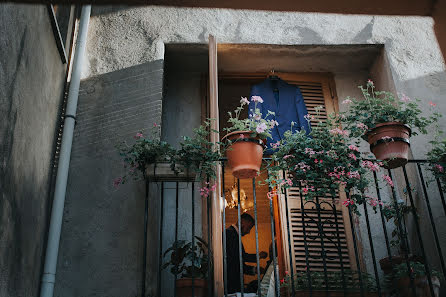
x=176, y=233
x=417, y=227
x=144, y=251
x=193, y=239
x=276, y=272
x=355, y=247
x=434, y=228
x=161, y=239
x=383, y=222
x=239, y=205
x=307, y=262
x=404, y=240
x=321, y=236
x=292, y=264
x=259, y=293
x=52, y=249
x=372, y=249
x=225, y=257
x=338, y=236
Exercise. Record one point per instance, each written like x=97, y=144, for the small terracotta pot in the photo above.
x=387, y=265
x=244, y=154
x=421, y=285
x=390, y=142
x=184, y=287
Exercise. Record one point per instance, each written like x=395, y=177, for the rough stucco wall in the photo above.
x=31, y=86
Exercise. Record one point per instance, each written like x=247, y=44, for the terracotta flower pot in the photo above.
x=184, y=287
x=244, y=154
x=421, y=285
x=390, y=142
x=387, y=265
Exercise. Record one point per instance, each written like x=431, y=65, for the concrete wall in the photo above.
x=31, y=88
x=121, y=38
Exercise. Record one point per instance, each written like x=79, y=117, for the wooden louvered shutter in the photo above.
x=327, y=230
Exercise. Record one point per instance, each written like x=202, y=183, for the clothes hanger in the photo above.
x=272, y=75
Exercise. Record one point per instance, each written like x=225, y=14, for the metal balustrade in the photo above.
x=324, y=224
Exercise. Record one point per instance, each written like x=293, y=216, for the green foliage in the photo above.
x=321, y=158
x=437, y=160
x=396, y=211
x=333, y=280
x=381, y=107
x=260, y=125
x=186, y=260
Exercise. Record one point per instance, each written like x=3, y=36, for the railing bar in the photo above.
x=208, y=204
x=440, y=189
x=144, y=254
x=302, y=206
x=239, y=205
x=176, y=233
x=372, y=249
x=225, y=258
x=161, y=238
x=193, y=240
x=355, y=247
x=417, y=227
x=341, y=262
x=259, y=293
x=434, y=228
x=276, y=273
x=405, y=241
x=321, y=236
x=383, y=222
x=292, y=267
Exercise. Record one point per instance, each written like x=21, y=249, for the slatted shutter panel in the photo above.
x=316, y=232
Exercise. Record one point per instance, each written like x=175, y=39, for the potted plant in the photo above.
x=386, y=123
x=399, y=280
x=321, y=163
x=189, y=263
x=144, y=155
x=437, y=160
x=338, y=283
x=246, y=139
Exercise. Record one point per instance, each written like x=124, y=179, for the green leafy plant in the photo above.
x=321, y=163
x=187, y=260
x=395, y=211
x=146, y=149
x=437, y=160
x=198, y=153
x=381, y=107
x=333, y=280
x=260, y=125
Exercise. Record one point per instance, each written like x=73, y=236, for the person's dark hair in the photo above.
x=248, y=218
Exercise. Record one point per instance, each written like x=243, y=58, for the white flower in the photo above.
x=257, y=99
x=261, y=128
x=244, y=101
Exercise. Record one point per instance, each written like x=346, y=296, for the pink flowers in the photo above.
x=138, y=135
x=387, y=179
x=432, y=104
x=439, y=168
x=348, y=202
x=353, y=174
x=362, y=126
x=261, y=128
x=206, y=190
x=304, y=167
x=287, y=156
x=307, y=189
x=338, y=131
x=404, y=98
x=353, y=148
x=352, y=156
x=308, y=117
x=271, y=194
x=372, y=166
x=374, y=202
x=287, y=181
x=244, y=101
x=274, y=123
x=116, y=182
x=370, y=83
x=309, y=151
x=257, y=117
x=257, y=99
x=347, y=101
x=275, y=145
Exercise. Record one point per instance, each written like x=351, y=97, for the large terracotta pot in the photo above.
x=244, y=154
x=390, y=142
x=184, y=287
x=387, y=265
x=421, y=285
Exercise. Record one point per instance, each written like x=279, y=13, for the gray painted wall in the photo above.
x=31, y=88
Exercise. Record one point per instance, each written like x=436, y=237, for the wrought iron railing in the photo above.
x=325, y=224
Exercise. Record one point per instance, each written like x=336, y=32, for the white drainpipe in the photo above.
x=52, y=250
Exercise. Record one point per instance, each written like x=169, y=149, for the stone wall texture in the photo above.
x=32, y=78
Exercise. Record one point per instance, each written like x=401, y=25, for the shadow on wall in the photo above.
x=102, y=234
